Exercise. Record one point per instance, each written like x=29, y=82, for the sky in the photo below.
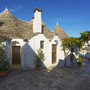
x=73, y=16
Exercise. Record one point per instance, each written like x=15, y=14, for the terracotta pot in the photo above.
x=3, y=73
x=79, y=64
x=37, y=67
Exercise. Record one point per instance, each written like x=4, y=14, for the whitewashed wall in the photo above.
x=86, y=53
x=59, y=49
x=8, y=48
x=34, y=44
x=37, y=22
x=29, y=50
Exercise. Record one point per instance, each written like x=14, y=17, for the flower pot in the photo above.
x=79, y=64
x=3, y=73
x=37, y=67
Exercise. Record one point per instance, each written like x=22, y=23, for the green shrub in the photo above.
x=4, y=61
x=79, y=60
x=39, y=57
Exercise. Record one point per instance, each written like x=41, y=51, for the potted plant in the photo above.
x=79, y=62
x=39, y=59
x=89, y=59
x=4, y=63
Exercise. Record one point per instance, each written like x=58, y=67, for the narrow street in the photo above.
x=66, y=78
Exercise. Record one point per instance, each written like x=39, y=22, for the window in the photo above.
x=41, y=44
x=42, y=29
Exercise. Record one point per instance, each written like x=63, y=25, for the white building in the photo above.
x=86, y=49
x=22, y=39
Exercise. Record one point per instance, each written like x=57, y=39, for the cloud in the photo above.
x=15, y=8
x=11, y=10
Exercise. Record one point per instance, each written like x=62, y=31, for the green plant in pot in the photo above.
x=4, y=62
x=39, y=59
x=89, y=59
x=79, y=61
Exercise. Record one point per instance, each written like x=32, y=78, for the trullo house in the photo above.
x=21, y=40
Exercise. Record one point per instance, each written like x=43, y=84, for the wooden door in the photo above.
x=54, y=52
x=16, y=55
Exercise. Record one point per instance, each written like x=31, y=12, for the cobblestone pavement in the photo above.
x=66, y=78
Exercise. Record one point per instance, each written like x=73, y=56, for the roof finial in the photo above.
x=57, y=23
x=6, y=7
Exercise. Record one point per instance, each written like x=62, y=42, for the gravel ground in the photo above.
x=66, y=78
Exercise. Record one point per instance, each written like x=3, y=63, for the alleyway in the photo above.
x=66, y=78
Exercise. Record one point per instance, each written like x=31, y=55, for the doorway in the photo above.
x=16, y=55
x=54, y=53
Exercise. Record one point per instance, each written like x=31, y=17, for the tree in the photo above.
x=79, y=43
x=39, y=57
x=84, y=36
x=4, y=61
x=67, y=43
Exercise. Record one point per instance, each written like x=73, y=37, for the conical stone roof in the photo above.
x=6, y=14
x=61, y=33
x=11, y=27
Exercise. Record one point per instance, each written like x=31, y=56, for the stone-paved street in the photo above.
x=66, y=78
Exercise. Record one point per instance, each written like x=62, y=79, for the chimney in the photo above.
x=37, y=26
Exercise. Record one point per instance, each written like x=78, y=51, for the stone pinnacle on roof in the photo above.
x=6, y=7
x=57, y=23
x=61, y=33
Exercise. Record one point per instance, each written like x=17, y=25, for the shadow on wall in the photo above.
x=70, y=60
x=28, y=56
x=87, y=55
x=76, y=51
